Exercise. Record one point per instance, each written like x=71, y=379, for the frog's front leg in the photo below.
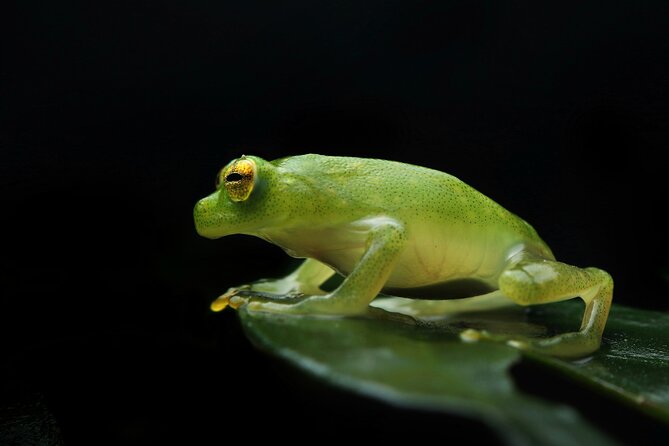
x=534, y=281
x=385, y=241
x=305, y=280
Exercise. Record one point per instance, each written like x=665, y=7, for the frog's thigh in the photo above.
x=538, y=281
x=308, y=277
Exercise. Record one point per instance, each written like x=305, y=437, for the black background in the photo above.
x=116, y=117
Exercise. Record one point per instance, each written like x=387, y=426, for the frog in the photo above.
x=408, y=241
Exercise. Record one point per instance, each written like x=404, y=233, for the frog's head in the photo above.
x=242, y=202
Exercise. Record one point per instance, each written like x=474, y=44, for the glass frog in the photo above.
x=398, y=229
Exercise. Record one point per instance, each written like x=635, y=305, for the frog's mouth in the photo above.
x=215, y=220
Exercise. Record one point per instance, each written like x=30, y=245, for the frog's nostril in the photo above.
x=201, y=207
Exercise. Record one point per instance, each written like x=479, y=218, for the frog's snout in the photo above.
x=205, y=219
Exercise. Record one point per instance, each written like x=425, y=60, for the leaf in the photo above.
x=633, y=363
x=424, y=367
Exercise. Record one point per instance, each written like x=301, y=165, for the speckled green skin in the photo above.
x=391, y=226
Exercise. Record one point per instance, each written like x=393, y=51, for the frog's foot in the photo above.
x=532, y=281
x=237, y=296
x=305, y=280
x=566, y=345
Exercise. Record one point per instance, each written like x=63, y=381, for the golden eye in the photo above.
x=239, y=179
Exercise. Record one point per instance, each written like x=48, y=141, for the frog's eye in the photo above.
x=238, y=179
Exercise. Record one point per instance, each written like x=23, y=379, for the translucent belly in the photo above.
x=454, y=255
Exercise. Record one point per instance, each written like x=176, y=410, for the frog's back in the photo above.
x=454, y=231
x=407, y=191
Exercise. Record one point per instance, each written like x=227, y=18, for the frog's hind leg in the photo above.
x=533, y=281
x=423, y=308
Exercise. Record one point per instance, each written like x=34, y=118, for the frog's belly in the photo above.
x=434, y=254
x=439, y=257
x=460, y=258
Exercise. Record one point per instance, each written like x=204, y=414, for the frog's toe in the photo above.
x=232, y=298
x=472, y=335
x=220, y=304
x=520, y=344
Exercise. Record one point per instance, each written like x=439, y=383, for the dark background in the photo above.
x=116, y=116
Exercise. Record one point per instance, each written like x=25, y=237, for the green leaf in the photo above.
x=428, y=367
x=633, y=363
